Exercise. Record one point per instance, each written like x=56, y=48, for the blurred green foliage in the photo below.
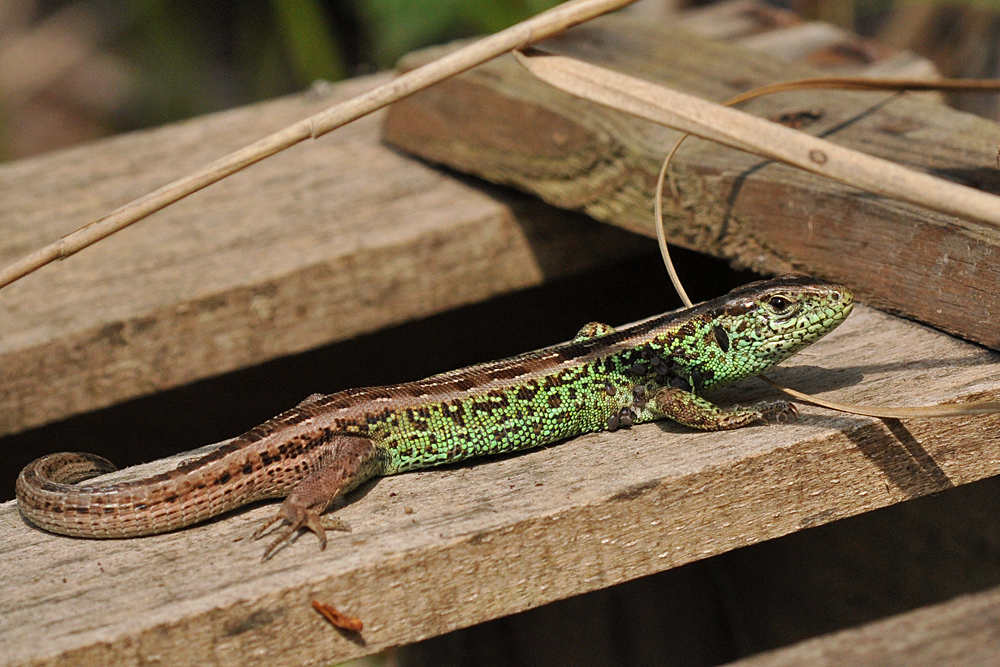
x=398, y=26
x=308, y=39
x=191, y=57
x=196, y=57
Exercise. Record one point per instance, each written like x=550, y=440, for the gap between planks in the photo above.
x=956, y=633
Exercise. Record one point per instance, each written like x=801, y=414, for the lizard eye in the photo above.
x=779, y=304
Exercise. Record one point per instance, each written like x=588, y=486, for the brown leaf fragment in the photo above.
x=338, y=620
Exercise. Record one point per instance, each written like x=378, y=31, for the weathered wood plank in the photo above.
x=768, y=596
x=331, y=239
x=956, y=633
x=499, y=123
x=445, y=549
x=765, y=28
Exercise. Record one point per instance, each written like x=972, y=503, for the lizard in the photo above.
x=327, y=445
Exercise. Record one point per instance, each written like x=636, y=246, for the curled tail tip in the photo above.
x=67, y=467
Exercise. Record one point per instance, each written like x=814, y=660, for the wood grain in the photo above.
x=334, y=238
x=499, y=123
x=956, y=633
x=445, y=549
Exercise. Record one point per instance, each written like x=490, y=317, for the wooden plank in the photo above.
x=956, y=633
x=736, y=19
x=499, y=123
x=767, y=596
x=778, y=32
x=439, y=550
x=331, y=239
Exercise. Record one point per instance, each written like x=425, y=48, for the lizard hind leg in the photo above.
x=347, y=462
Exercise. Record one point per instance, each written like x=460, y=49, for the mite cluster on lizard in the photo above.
x=603, y=379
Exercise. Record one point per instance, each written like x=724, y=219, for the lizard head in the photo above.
x=759, y=325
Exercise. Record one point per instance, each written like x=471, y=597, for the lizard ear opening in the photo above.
x=721, y=338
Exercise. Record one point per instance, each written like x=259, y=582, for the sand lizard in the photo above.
x=322, y=448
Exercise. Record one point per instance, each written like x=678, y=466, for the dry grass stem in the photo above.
x=942, y=410
x=527, y=32
x=849, y=83
x=845, y=83
x=762, y=137
x=741, y=130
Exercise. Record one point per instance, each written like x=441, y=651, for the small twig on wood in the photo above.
x=527, y=32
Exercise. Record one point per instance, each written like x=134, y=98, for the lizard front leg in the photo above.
x=692, y=410
x=346, y=462
x=593, y=330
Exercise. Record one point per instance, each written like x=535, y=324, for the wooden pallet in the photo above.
x=344, y=236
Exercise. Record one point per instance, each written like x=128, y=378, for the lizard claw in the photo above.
x=296, y=518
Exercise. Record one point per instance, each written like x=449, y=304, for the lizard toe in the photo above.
x=779, y=411
x=331, y=522
x=275, y=518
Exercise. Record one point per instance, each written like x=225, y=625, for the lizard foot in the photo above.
x=296, y=518
x=779, y=411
